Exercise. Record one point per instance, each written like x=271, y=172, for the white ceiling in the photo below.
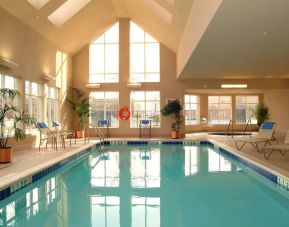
x=163, y=19
x=245, y=39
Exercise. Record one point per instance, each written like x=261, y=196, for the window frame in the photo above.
x=145, y=109
x=30, y=96
x=190, y=103
x=246, y=103
x=105, y=102
x=220, y=122
x=55, y=99
x=145, y=43
x=105, y=46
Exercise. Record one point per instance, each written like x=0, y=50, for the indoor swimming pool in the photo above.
x=150, y=186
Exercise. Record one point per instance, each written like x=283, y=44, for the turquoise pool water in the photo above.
x=149, y=186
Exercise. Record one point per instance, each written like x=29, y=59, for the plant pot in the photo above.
x=6, y=154
x=175, y=135
x=79, y=134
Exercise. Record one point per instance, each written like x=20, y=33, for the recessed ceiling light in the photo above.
x=38, y=4
x=67, y=10
x=264, y=33
x=234, y=86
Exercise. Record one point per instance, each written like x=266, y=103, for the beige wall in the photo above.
x=36, y=56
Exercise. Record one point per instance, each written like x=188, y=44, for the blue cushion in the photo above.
x=103, y=122
x=42, y=125
x=55, y=124
x=144, y=122
x=267, y=125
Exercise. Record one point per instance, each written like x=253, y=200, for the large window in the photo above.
x=144, y=56
x=220, y=109
x=192, y=113
x=104, y=57
x=244, y=108
x=32, y=99
x=52, y=107
x=145, y=105
x=104, y=106
x=8, y=82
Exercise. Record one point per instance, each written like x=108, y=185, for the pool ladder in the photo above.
x=231, y=125
x=99, y=133
x=228, y=128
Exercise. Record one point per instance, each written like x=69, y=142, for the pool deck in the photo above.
x=26, y=162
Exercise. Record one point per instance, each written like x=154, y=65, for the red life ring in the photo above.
x=124, y=113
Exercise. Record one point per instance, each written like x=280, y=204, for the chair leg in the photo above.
x=239, y=148
x=268, y=155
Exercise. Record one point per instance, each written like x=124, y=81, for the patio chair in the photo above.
x=145, y=125
x=66, y=134
x=281, y=147
x=48, y=135
x=264, y=136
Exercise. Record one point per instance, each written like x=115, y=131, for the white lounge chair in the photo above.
x=264, y=136
x=281, y=147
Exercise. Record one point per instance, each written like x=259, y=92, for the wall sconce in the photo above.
x=47, y=77
x=133, y=85
x=93, y=85
x=8, y=63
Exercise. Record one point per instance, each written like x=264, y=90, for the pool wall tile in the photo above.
x=4, y=193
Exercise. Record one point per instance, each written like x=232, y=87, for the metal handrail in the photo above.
x=249, y=123
x=98, y=132
x=228, y=128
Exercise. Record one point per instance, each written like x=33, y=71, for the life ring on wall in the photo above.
x=124, y=113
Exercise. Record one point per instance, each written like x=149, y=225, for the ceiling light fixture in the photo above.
x=47, y=77
x=234, y=86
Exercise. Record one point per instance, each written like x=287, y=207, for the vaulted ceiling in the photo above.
x=163, y=19
x=241, y=39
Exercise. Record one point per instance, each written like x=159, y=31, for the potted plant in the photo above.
x=80, y=104
x=173, y=108
x=10, y=121
x=261, y=113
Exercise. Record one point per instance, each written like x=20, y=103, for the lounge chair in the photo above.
x=264, y=136
x=49, y=135
x=281, y=147
x=66, y=134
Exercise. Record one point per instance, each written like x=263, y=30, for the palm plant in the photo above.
x=80, y=104
x=261, y=113
x=11, y=117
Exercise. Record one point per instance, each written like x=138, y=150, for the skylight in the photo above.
x=38, y=4
x=66, y=11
